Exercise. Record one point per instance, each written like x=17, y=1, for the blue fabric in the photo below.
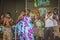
x=2, y=28
x=24, y=33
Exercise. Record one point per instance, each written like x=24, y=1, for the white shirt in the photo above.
x=49, y=22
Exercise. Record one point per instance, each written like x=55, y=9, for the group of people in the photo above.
x=30, y=27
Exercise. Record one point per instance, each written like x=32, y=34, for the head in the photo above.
x=2, y=16
x=28, y=12
x=49, y=12
x=8, y=15
x=49, y=9
x=22, y=14
x=36, y=17
x=55, y=11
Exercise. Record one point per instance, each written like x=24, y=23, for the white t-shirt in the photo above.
x=49, y=22
x=55, y=23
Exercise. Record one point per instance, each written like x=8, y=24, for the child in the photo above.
x=49, y=25
x=7, y=35
x=28, y=28
x=38, y=27
x=20, y=26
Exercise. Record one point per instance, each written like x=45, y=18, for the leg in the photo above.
x=39, y=38
x=4, y=36
x=57, y=38
x=9, y=35
x=46, y=34
x=51, y=34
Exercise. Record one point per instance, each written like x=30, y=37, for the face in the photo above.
x=27, y=12
x=7, y=15
x=2, y=16
x=49, y=9
x=22, y=15
x=36, y=17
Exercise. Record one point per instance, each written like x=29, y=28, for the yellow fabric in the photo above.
x=7, y=35
x=32, y=14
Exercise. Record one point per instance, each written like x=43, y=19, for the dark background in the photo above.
x=19, y=5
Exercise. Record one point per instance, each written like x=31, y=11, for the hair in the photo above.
x=49, y=12
x=2, y=15
x=8, y=13
x=1, y=20
x=21, y=14
x=55, y=9
x=23, y=11
x=28, y=10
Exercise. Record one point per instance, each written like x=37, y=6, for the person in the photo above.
x=19, y=26
x=1, y=19
x=1, y=22
x=48, y=33
x=24, y=26
x=7, y=35
x=28, y=28
x=56, y=15
x=38, y=28
x=56, y=23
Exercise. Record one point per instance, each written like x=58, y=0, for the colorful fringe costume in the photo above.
x=25, y=29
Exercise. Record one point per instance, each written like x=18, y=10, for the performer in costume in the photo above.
x=20, y=26
x=28, y=28
x=38, y=28
x=25, y=28
x=1, y=22
x=20, y=30
x=49, y=25
x=7, y=35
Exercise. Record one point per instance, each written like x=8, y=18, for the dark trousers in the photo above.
x=48, y=33
x=57, y=38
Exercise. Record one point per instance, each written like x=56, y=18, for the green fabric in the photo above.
x=42, y=28
x=33, y=25
x=32, y=14
x=35, y=3
x=42, y=23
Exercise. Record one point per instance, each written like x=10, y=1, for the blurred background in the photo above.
x=16, y=6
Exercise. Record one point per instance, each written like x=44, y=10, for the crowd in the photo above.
x=30, y=25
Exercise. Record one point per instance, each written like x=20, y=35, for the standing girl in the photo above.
x=28, y=28
x=20, y=26
x=38, y=27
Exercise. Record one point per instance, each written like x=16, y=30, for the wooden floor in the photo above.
x=1, y=39
x=56, y=32
x=55, y=39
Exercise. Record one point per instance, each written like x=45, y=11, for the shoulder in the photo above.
x=4, y=19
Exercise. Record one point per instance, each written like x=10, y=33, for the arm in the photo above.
x=4, y=21
x=11, y=21
x=48, y=16
x=19, y=18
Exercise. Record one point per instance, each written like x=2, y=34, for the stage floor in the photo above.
x=1, y=39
